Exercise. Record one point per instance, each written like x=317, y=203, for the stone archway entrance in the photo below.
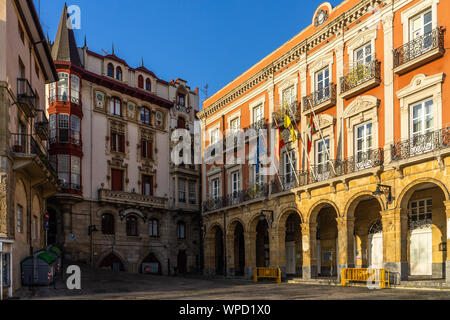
x=151, y=265
x=113, y=262
x=239, y=250
x=218, y=251
x=327, y=253
x=262, y=244
x=293, y=245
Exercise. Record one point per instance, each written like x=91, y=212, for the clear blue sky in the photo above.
x=202, y=41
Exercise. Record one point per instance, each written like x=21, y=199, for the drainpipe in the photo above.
x=91, y=182
x=224, y=212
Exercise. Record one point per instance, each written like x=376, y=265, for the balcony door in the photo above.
x=422, y=126
x=116, y=180
x=289, y=101
x=290, y=165
x=322, y=159
x=420, y=36
x=235, y=183
x=322, y=85
x=363, y=144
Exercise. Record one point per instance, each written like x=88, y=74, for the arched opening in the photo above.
x=239, y=250
x=119, y=73
x=368, y=232
x=141, y=81
x=151, y=265
x=262, y=244
x=112, y=262
x=218, y=251
x=293, y=244
x=148, y=85
x=182, y=262
x=426, y=232
x=110, y=70
x=327, y=242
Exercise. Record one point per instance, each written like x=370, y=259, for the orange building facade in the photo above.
x=364, y=182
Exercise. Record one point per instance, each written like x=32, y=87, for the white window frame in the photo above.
x=365, y=148
x=74, y=89
x=215, y=188
x=416, y=9
x=423, y=116
x=235, y=183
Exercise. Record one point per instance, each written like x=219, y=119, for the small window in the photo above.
x=147, y=185
x=110, y=70
x=148, y=85
x=19, y=218
x=108, y=224
x=146, y=149
x=181, y=228
x=215, y=188
x=115, y=106
x=145, y=115
x=181, y=100
x=119, y=73
x=132, y=226
x=181, y=190
x=235, y=182
x=63, y=128
x=153, y=230
x=117, y=142
x=192, y=193
x=141, y=82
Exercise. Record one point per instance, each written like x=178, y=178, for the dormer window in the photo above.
x=110, y=70
x=119, y=73
x=148, y=86
x=181, y=100
x=141, y=82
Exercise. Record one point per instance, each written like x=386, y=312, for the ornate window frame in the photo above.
x=359, y=40
x=421, y=88
x=359, y=111
x=416, y=9
x=319, y=64
x=290, y=81
x=260, y=101
x=326, y=123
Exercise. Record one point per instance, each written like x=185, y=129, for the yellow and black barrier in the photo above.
x=368, y=275
x=269, y=272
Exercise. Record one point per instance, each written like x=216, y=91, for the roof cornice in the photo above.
x=330, y=29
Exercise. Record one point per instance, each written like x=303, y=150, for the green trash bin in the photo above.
x=38, y=269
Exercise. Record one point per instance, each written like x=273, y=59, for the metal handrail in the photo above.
x=320, y=96
x=419, y=46
x=359, y=74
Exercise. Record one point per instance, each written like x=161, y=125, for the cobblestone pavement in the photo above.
x=103, y=284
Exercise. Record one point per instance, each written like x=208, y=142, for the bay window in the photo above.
x=192, y=193
x=63, y=86
x=75, y=129
x=74, y=89
x=63, y=128
x=69, y=171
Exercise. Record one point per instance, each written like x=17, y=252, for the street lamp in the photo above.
x=384, y=190
x=262, y=216
x=91, y=229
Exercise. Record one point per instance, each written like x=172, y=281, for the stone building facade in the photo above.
x=364, y=182
x=26, y=177
x=123, y=205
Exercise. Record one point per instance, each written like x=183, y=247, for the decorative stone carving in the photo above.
x=361, y=104
x=324, y=120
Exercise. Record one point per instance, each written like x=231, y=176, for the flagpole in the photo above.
x=321, y=136
x=303, y=145
x=278, y=170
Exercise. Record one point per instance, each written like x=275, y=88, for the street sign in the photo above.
x=46, y=216
x=47, y=225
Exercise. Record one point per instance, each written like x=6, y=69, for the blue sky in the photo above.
x=202, y=41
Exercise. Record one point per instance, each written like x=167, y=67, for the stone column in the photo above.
x=230, y=254
x=303, y=92
x=309, y=267
x=395, y=228
x=277, y=249
x=209, y=257
x=345, y=243
x=447, y=236
x=388, y=63
x=250, y=252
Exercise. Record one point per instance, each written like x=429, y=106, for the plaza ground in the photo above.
x=105, y=284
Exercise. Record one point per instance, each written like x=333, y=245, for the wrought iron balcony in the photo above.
x=320, y=99
x=254, y=192
x=41, y=124
x=419, y=51
x=292, y=110
x=421, y=144
x=260, y=124
x=360, y=78
x=329, y=170
x=26, y=97
x=25, y=144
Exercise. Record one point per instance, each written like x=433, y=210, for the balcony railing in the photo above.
x=365, y=76
x=129, y=198
x=317, y=173
x=292, y=110
x=71, y=186
x=432, y=42
x=319, y=97
x=26, y=97
x=182, y=108
x=421, y=144
x=41, y=124
x=251, y=193
x=26, y=144
x=256, y=125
